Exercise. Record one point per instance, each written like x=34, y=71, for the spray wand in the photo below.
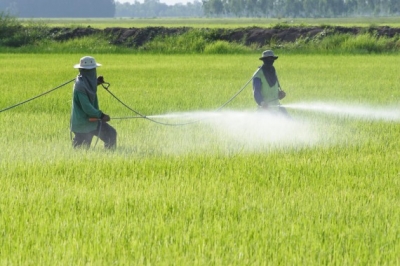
x=95, y=119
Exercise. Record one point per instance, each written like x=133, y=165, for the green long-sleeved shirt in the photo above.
x=83, y=109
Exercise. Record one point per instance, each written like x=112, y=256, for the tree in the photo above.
x=336, y=7
x=292, y=8
x=265, y=7
x=238, y=8
x=216, y=7
x=251, y=8
x=394, y=7
x=235, y=7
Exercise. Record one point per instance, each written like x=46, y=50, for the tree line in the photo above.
x=153, y=8
x=261, y=8
x=300, y=8
x=205, y=8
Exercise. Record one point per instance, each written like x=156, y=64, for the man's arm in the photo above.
x=257, y=90
x=87, y=106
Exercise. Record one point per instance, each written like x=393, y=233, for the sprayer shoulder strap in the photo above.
x=255, y=75
x=277, y=80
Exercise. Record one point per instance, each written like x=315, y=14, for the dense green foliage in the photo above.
x=197, y=42
x=215, y=22
x=14, y=34
x=238, y=189
x=34, y=36
x=345, y=43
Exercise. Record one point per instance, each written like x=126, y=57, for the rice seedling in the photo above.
x=238, y=187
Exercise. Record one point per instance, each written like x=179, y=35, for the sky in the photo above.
x=168, y=2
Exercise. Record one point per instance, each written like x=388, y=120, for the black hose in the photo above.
x=234, y=96
x=145, y=117
x=33, y=98
x=107, y=85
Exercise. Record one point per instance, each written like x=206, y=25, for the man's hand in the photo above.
x=105, y=118
x=281, y=95
x=100, y=80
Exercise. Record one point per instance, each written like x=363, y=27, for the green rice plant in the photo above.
x=332, y=42
x=365, y=42
x=319, y=44
x=229, y=190
x=192, y=41
x=220, y=22
x=281, y=25
x=87, y=44
x=342, y=43
x=34, y=38
x=224, y=47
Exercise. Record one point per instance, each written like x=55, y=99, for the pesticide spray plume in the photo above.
x=231, y=132
x=350, y=110
x=187, y=115
x=262, y=130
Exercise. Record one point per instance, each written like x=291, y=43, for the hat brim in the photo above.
x=275, y=57
x=86, y=67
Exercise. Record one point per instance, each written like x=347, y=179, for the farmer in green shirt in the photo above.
x=87, y=120
x=266, y=88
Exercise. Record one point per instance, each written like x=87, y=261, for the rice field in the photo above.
x=215, y=22
x=235, y=187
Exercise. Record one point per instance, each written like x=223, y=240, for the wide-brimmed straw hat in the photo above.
x=87, y=62
x=268, y=53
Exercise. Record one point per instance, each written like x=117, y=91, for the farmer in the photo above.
x=266, y=88
x=85, y=105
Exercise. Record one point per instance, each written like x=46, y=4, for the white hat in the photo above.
x=87, y=62
x=268, y=53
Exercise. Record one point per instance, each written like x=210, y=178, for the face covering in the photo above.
x=269, y=71
x=88, y=82
x=269, y=61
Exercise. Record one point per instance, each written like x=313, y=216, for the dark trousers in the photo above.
x=284, y=112
x=104, y=131
x=280, y=111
